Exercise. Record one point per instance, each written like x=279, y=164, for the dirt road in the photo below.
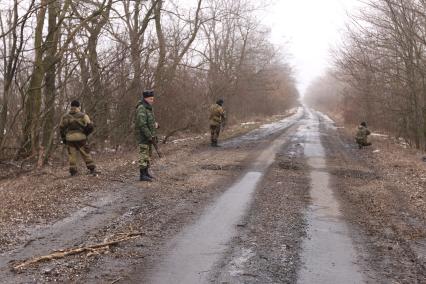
x=292, y=201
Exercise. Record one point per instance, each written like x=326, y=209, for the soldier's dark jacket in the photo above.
x=145, y=122
x=362, y=133
x=74, y=125
x=217, y=115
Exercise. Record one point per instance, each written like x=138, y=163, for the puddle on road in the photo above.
x=193, y=253
x=328, y=254
x=265, y=130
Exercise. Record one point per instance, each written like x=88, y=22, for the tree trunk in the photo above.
x=33, y=97
x=50, y=76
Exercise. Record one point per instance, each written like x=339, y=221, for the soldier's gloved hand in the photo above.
x=155, y=140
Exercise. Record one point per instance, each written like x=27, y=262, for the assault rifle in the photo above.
x=223, y=123
x=155, y=144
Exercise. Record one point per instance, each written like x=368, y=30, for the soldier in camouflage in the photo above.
x=361, y=135
x=217, y=120
x=146, y=133
x=75, y=127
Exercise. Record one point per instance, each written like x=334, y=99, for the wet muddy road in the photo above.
x=199, y=253
x=262, y=209
x=328, y=255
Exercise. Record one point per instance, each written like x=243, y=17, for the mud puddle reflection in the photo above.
x=328, y=254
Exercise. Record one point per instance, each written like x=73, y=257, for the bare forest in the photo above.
x=106, y=52
x=379, y=72
x=272, y=187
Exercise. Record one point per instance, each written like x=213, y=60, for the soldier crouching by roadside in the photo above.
x=217, y=120
x=146, y=133
x=361, y=135
x=75, y=127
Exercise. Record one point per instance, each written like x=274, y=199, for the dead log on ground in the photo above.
x=72, y=251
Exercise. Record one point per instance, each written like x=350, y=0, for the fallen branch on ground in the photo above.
x=173, y=132
x=72, y=251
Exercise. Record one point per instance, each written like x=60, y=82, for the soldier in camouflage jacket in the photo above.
x=362, y=134
x=75, y=127
x=217, y=120
x=145, y=133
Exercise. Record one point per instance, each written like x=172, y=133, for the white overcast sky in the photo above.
x=308, y=29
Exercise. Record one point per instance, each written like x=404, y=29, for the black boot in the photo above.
x=92, y=170
x=144, y=176
x=73, y=172
x=214, y=144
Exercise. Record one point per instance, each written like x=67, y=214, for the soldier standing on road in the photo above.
x=361, y=135
x=75, y=127
x=146, y=133
x=217, y=120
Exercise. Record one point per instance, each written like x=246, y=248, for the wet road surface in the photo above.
x=328, y=254
x=194, y=252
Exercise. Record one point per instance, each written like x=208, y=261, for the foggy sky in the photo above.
x=308, y=28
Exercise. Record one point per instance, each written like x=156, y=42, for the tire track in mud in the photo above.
x=125, y=207
x=161, y=215
x=328, y=253
x=269, y=239
x=386, y=254
x=192, y=254
x=273, y=247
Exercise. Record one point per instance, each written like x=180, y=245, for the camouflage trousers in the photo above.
x=145, y=153
x=214, y=132
x=79, y=147
x=362, y=142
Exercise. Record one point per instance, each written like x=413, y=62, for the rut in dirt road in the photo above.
x=302, y=238
x=194, y=252
x=328, y=254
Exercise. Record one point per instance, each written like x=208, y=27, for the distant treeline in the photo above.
x=380, y=70
x=105, y=52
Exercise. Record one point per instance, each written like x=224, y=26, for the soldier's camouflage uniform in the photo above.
x=361, y=136
x=74, y=128
x=145, y=132
x=217, y=118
